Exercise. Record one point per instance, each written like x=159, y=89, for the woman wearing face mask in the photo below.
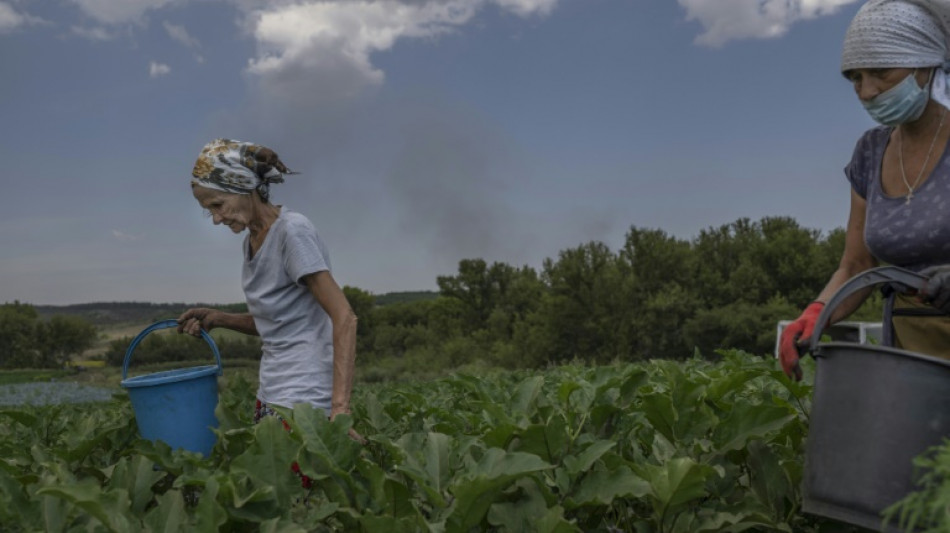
x=306, y=325
x=897, y=56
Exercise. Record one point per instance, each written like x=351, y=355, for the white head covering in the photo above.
x=902, y=33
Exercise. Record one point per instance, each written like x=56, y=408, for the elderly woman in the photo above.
x=896, y=55
x=306, y=325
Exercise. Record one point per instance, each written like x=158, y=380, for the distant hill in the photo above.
x=111, y=313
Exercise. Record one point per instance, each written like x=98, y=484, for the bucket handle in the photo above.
x=163, y=325
x=901, y=279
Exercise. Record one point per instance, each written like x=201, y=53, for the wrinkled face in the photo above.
x=870, y=82
x=232, y=210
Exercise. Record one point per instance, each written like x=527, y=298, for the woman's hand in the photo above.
x=195, y=319
x=801, y=329
x=353, y=434
x=937, y=290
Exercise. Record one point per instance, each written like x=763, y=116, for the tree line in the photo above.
x=657, y=296
x=27, y=341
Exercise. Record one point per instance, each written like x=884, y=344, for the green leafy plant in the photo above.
x=658, y=446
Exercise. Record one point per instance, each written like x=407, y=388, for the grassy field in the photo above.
x=9, y=377
x=111, y=377
x=107, y=334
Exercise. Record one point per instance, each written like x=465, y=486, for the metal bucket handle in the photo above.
x=163, y=325
x=902, y=280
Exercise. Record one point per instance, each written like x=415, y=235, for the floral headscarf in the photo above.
x=238, y=167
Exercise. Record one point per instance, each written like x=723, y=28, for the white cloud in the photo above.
x=336, y=35
x=323, y=49
x=180, y=34
x=156, y=70
x=93, y=34
x=11, y=19
x=528, y=7
x=726, y=20
x=119, y=11
x=125, y=237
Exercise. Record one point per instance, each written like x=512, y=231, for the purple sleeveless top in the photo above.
x=916, y=235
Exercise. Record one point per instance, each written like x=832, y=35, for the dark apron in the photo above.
x=917, y=327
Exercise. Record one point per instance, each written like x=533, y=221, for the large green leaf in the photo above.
x=712, y=521
x=328, y=441
x=675, y=482
x=54, y=512
x=584, y=460
x=500, y=435
x=14, y=501
x=377, y=417
x=723, y=390
x=281, y=525
x=209, y=514
x=27, y=419
x=475, y=490
x=549, y=441
x=768, y=479
x=601, y=487
x=525, y=396
x=661, y=413
x=747, y=422
x=632, y=381
x=429, y=462
x=110, y=508
x=85, y=435
x=391, y=524
x=268, y=461
x=168, y=516
x=576, y=396
x=262, y=475
x=528, y=512
x=136, y=475
x=249, y=500
x=389, y=496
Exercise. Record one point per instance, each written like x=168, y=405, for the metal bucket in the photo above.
x=874, y=409
x=175, y=406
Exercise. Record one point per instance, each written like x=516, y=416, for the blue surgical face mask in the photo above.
x=904, y=102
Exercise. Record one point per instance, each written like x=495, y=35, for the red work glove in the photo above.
x=801, y=328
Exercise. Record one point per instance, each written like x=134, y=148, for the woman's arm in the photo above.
x=325, y=289
x=195, y=319
x=855, y=259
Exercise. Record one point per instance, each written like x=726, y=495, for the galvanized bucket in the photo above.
x=874, y=409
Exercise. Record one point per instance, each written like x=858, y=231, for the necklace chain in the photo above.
x=900, y=155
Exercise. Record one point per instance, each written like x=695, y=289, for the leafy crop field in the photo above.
x=661, y=446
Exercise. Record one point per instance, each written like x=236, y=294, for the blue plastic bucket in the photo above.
x=175, y=406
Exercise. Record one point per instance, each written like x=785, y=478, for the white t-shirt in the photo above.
x=296, y=333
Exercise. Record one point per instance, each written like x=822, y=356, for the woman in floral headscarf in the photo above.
x=306, y=325
x=897, y=56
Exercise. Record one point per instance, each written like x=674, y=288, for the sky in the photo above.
x=425, y=131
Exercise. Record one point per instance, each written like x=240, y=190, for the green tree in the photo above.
x=61, y=338
x=580, y=314
x=657, y=293
x=747, y=326
x=17, y=326
x=363, y=304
